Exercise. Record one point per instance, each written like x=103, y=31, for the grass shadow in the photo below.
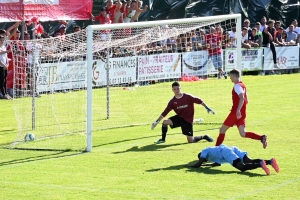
x=205, y=170
x=151, y=147
x=59, y=154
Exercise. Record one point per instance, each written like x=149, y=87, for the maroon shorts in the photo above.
x=232, y=120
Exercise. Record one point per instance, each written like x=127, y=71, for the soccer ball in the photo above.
x=29, y=137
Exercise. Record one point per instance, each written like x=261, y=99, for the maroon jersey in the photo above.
x=238, y=88
x=183, y=107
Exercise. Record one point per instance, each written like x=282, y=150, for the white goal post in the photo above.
x=91, y=48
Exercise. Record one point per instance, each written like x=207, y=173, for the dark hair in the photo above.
x=236, y=72
x=76, y=27
x=2, y=31
x=277, y=22
x=244, y=28
x=257, y=23
x=175, y=84
x=254, y=29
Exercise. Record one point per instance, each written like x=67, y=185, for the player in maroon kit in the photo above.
x=183, y=105
x=237, y=116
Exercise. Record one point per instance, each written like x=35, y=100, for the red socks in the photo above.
x=252, y=135
x=220, y=139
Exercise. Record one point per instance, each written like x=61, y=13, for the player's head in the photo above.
x=235, y=75
x=176, y=88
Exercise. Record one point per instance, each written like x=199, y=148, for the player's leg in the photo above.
x=173, y=122
x=238, y=164
x=271, y=162
x=251, y=135
x=229, y=122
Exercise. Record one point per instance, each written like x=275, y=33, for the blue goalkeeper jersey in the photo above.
x=213, y=154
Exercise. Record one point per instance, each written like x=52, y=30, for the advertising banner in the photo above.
x=71, y=75
x=251, y=59
x=197, y=63
x=287, y=57
x=156, y=67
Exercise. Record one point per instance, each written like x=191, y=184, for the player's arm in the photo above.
x=166, y=111
x=198, y=164
x=199, y=101
x=14, y=29
x=240, y=92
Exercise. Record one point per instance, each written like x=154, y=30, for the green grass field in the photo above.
x=125, y=164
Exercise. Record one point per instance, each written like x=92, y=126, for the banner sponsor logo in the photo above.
x=251, y=59
x=156, y=67
x=198, y=63
x=287, y=57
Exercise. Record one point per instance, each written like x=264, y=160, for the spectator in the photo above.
x=138, y=10
x=62, y=29
x=102, y=18
x=263, y=24
x=278, y=39
x=232, y=36
x=277, y=25
x=245, y=43
x=246, y=24
x=259, y=33
x=110, y=9
x=118, y=15
x=291, y=35
x=125, y=8
x=254, y=39
x=296, y=28
x=131, y=12
x=268, y=40
x=3, y=69
x=213, y=43
x=76, y=29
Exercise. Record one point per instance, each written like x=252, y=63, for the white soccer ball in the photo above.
x=29, y=137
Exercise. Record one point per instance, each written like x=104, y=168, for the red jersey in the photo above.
x=213, y=42
x=111, y=12
x=183, y=107
x=103, y=19
x=237, y=89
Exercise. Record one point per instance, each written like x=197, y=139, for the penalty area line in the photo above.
x=288, y=182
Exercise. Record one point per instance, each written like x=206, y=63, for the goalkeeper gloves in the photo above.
x=209, y=110
x=154, y=124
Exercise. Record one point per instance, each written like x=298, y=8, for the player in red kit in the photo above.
x=183, y=105
x=237, y=116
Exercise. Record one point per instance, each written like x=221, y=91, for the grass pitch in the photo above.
x=125, y=164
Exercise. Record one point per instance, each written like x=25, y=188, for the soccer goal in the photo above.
x=119, y=75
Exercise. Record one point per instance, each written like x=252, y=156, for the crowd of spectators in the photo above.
x=212, y=38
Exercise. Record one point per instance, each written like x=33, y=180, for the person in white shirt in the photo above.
x=3, y=69
x=245, y=43
x=232, y=36
x=296, y=28
x=263, y=24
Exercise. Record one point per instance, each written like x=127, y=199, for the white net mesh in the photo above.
x=133, y=69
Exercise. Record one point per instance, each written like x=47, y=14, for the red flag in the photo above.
x=45, y=10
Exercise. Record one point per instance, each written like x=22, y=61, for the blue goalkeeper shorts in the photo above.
x=232, y=153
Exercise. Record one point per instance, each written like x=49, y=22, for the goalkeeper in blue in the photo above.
x=183, y=106
x=236, y=157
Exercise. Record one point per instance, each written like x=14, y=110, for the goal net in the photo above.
x=118, y=75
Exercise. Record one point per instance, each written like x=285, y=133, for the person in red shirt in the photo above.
x=102, y=18
x=183, y=106
x=237, y=116
x=213, y=42
x=110, y=9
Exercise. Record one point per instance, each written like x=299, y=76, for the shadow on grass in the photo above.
x=152, y=136
x=60, y=154
x=205, y=170
x=151, y=147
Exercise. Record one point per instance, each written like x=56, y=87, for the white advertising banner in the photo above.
x=287, y=57
x=156, y=67
x=121, y=70
x=197, y=63
x=60, y=76
x=71, y=75
x=251, y=59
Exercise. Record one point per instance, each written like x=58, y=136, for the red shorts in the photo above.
x=231, y=120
